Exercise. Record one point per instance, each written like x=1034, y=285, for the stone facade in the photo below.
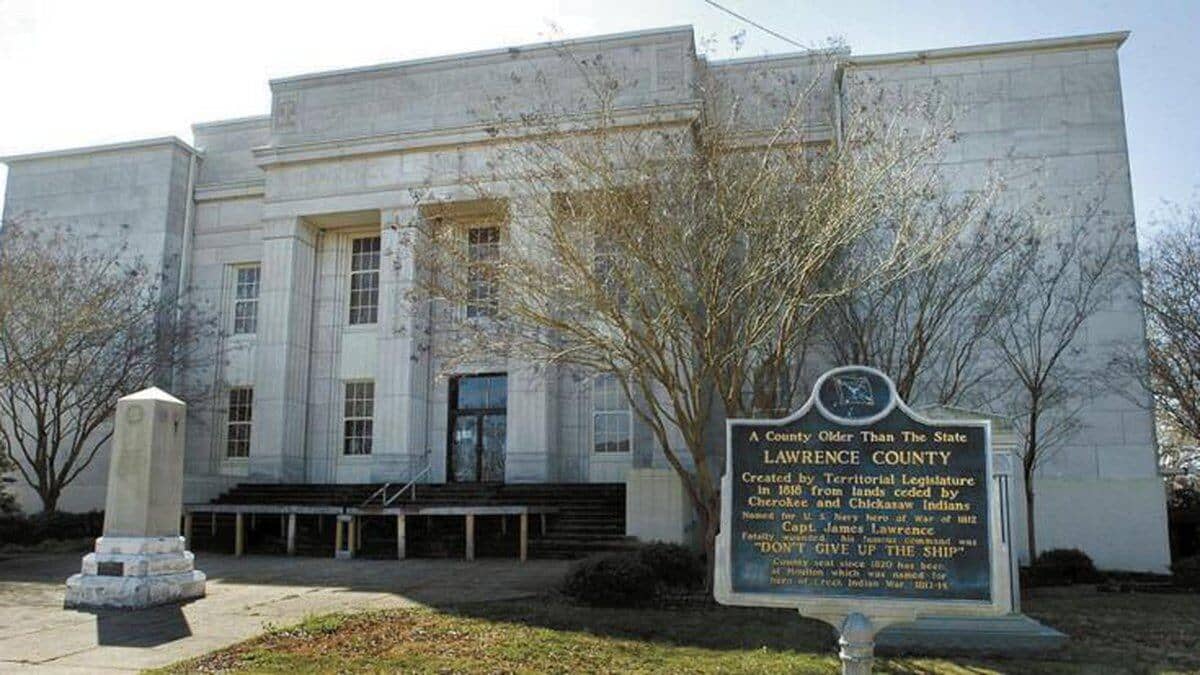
x=339, y=156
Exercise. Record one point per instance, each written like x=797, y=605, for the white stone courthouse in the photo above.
x=296, y=229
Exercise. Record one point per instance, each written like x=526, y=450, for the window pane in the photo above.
x=497, y=391
x=245, y=304
x=241, y=404
x=472, y=392
x=358, y=427
x=364, y=280
x=247, y=282
x=607, y=393
x=245, y=316
x=605, y=267
x=619, y=432
x=483, y=248
x=612, y=418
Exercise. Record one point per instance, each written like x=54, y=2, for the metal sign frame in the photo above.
x=883, y=610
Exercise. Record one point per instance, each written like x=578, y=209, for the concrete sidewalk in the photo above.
x=245, y=596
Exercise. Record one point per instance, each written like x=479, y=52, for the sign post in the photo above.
x=859, y=512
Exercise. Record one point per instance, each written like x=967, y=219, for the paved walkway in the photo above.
x=245, y=595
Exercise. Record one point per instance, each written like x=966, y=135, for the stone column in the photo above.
x=403, y=371
x=141, y=561
x=282, y=352
x=532, y=423
x=532, y=388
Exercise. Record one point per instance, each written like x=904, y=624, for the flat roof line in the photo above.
x=535, y=46
x=233, y=121
x=95, y=149
x=809, y=54
x=1116, y=38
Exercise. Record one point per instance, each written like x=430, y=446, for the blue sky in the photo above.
x=80, y=73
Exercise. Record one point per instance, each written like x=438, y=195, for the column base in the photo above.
x=135, y=572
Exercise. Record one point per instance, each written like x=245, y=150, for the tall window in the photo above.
x=359, y=418
x=604, y=265
x=612, y=418
x=364, y=280
x=237, y=436
x=245, y=299
x=483, y=248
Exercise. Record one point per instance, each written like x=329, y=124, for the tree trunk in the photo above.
x=1030, y=520
x=49, y=497
x=1028, y=464
x=710, y=523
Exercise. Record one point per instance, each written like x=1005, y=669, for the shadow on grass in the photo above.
x=706, y=626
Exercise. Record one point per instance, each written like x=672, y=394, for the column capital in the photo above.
x=288, y=228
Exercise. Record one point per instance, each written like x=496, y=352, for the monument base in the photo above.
x=135, y=572
x=1007, y=634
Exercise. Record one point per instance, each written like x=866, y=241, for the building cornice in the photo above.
x=475, y=134
x=251, y=121
x=500, y=54
x=238, y=190
x=99, y=149
x=812, y=55
x=1114, y=40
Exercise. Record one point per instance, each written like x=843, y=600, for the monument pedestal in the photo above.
x=141, y=560
x=135, y=572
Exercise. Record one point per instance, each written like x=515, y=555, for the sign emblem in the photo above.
x=854, y=394
x=855, y=390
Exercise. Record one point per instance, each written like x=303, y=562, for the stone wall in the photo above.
x=129, y=193
x=1049, y=121
x=464, y=91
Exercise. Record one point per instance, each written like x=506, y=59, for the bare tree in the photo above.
x=688, y=258
x=1076, y=264
x=83, y=325
x=929, y=329
x=1171, y=297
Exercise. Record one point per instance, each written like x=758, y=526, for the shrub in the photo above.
x=610, y=580
x=1187, y=571
x=8, y=501
x=23, y=530
x=674, y=565
x=1063, y=566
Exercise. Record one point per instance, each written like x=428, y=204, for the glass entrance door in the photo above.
x=478, y=428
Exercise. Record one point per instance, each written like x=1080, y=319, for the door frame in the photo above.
x=452, y=415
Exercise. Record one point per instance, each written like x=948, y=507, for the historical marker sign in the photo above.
x=855, y=504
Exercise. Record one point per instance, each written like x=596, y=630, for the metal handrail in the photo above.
x=410, y=484
x=380, y=491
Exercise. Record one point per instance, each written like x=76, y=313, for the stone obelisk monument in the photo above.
x=140, y=561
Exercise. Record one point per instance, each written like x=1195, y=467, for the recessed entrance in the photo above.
x=478, y=428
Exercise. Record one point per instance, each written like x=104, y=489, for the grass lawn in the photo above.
x=1111, y=633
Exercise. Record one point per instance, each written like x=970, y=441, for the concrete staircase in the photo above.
x=590, y=519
